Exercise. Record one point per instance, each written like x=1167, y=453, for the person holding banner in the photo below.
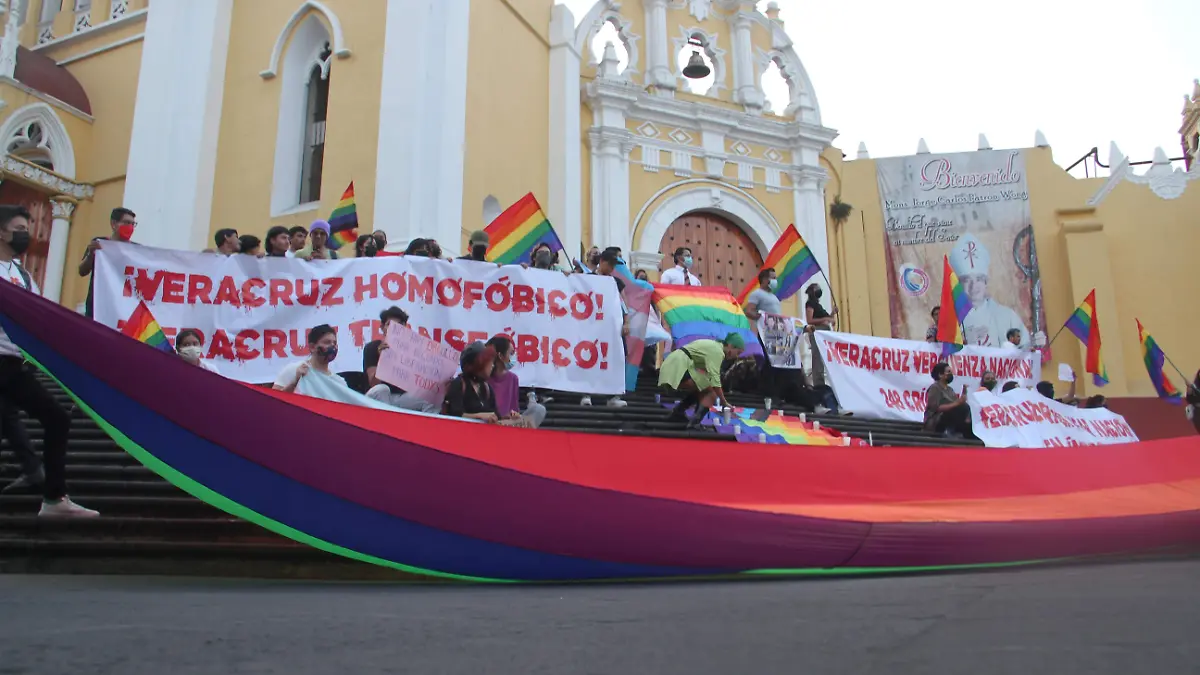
x=187, y=345
x=277, y=243
x=506, y=386
x=819, y=319
x=392, y=318
x=123, y=222
x=695, y=371
x=945, y=412
x=469, y=395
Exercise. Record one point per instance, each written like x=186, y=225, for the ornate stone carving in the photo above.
x=1162, y=180
x=700, y=8
x=62, y=208
x=51, y=181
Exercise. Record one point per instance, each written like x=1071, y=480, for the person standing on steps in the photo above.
x=681, y=274
x=816, y=316
x=21, y=390
x=763, y=301
x=123, y=223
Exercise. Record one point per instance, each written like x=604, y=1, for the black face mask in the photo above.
x=594, y=259
x=479, y=251
x=950, y=378
x=369, y=251
x=19, y=242
x=542, y=259
x=989, y=385
x=436, y=252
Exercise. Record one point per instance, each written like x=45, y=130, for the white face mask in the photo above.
x=774, y=284
x=193, y=352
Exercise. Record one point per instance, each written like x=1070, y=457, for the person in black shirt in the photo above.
x=469, y=394
x=277, y=242
x=816, y=316
x=392, y=318
x=123, y=222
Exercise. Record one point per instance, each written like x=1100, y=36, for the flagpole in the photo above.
x=1060, y=330
x=1190, y=383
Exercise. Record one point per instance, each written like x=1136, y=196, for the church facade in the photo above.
x=254, y=113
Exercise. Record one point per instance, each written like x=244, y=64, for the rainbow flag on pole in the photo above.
x=1155, y=360
x=1085, y=325
x=343, y=222
x=793, y=262
x=703, y=312
x=955, y=307
x=514, y=233
x=142, y=327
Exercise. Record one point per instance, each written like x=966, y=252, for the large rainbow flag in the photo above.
x=954, y=308
x=449, y=499
x=343, y=222
x=514, y=233
x=703, y=312
x=1085, y=325
x=1155, y=361
x=142, y=326
x=793, y=262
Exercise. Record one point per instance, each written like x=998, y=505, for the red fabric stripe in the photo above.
x=512, y=218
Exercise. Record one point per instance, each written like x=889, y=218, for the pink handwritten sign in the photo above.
x=417, y=364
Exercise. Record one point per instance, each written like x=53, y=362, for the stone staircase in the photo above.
x=149, y=526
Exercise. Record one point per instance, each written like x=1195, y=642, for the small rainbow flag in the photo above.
x=1085, y=325
x=1155, y=359
x=343, y=222
x=955, y=307
x=703, y=312
x=142, y=327
x=793, y=262
x=514, y=233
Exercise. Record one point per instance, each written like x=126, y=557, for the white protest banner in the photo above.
x=417, y=364
x=1025, y=419
x=882, y=378
x=254, y=314
x=783, y=337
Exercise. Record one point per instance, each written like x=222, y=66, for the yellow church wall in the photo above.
x=112, y=109
x=508, y=108
x=105, y=36
x=585, y=161
x=250, y=113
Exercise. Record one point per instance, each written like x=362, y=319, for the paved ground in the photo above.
x=1122, y=618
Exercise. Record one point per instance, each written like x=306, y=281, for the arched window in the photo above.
x=32, y=144
x=315, y=113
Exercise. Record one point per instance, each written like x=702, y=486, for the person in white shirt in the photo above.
x=680, y=274
x=19, y=389
x=187, y=345
x=988, y=320
x=323, y=349
x=1012, y=340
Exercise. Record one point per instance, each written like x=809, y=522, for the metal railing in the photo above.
x=1092, y=169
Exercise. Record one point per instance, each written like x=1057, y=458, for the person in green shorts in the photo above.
x=695, y=371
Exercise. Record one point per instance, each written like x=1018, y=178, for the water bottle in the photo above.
x=762, y=437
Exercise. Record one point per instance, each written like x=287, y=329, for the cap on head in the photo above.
x=479, y=237
x=319, y=225
x=735, y=340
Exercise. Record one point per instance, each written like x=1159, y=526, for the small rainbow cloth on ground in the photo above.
x=1085, y=325
x=793, y=262
x=1155, y=361
x=343, y=222
x=142, y=326
x=703, y=312
x=514, y=233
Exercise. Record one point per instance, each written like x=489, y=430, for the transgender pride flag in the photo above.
x=636, y=295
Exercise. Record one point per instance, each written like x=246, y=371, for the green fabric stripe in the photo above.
x=689, y=313
x=859, y=571
x=525, y=244
x=802, y=257
x=233, y=508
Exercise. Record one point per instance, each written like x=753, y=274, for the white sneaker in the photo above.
x=617, y=402
x=65, y=508
x=586, y=400
x=821, y=410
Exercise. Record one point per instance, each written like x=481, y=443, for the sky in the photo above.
x=1084, y=72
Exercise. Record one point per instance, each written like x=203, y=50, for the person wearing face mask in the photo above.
x=988, y=381
x=391, y=319
x=592, y=259
x=365, y=246
x=816, y=316
x=945, y=412
x=762, y=300
x=680, y=274
x=322, y=350
x=20, y=389
x=507, y=386
x=187, y=345
x=123, y=223
x=381, y=242
x=544, y=258
x=477, y=246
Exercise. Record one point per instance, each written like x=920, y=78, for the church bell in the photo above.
x=696, y=68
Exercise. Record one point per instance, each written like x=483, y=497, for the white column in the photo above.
x=176, y=121
x=610, y=190
x=658, y=56
x=745, y=77
x=62, y=208
x=564, y=204
x=808, y=200
x=423, y=121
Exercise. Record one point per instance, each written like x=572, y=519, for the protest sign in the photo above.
x=783, y=339
x=417, y=364
x=254, y=314
x=882, y=378
x=1025, y=419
